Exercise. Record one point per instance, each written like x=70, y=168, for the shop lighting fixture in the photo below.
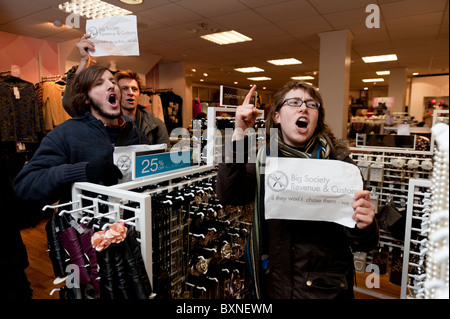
x=289, y=61
x=383, y=72
x=302, y=78
x=132, y=1
x=373, y=80
x=92, y=9
x=226, y=37
x=249, y=69
x=260, y=78
x=380, y=58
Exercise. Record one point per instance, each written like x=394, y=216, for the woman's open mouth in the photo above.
x=302, y=123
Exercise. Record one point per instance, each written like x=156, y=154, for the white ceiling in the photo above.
x=416, y=30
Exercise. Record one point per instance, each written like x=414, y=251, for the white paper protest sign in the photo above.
x=115, y=35
x=311, y=189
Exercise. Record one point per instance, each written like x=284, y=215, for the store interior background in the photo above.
x=170, y=48
x=416, y=31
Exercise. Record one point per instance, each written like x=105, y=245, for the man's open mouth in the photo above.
x=112, y=99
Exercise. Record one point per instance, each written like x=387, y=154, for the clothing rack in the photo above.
x=149, y=90
x=50, y=78
x=164, y=209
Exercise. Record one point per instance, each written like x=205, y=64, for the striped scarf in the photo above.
x=318, y=147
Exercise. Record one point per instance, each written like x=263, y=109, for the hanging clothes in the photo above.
x=116, y=271
x=145, y=100
x=65, y=239
x=122, y=271
x=21, y=117
x=156, y=107
x=196, y=108
x=52, y=108
x=153, y=102
x=172, y=107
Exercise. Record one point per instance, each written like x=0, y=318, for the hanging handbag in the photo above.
x=390, y=219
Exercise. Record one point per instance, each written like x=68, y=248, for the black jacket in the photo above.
x=307, y=259
x=63, y=154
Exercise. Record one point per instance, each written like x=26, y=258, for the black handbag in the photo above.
x=390, y=219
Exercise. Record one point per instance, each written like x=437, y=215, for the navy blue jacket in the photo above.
x=62, y=157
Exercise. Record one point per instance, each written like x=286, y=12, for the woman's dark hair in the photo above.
x=81, y=85
x=322, y=129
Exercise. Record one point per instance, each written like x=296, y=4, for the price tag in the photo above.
x=150, y=164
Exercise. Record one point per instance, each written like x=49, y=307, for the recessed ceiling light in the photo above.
x=93, y=9
x=301, y=78
x=415, y=73
x=249, y=69
x=260, y=78
x=289, y=61
x=226, y=37
x=383, y=72
x=380, y=58
x=132, y=1
x=373, y=80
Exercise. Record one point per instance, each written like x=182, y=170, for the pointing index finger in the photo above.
x=249, y=95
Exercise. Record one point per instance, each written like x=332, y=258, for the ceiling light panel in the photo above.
x=302, y=78
x=92, y=9
x=373, y=80
x=380, y=58
x=289, y=61
x=249, y=69
x=132, y=1
x=259, y=78
x=383, y=72
x=227, y=37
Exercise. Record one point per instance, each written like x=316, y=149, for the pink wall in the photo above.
x=24, y=52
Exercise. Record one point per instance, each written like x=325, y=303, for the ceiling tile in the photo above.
x=214, y=8
x=406, y=8
x=287, y=11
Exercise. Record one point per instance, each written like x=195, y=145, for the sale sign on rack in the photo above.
x=151, y=164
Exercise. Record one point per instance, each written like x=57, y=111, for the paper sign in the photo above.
x=311, y=189
x=115, y=35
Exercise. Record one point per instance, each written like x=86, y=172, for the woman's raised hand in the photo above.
x=246, y=115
